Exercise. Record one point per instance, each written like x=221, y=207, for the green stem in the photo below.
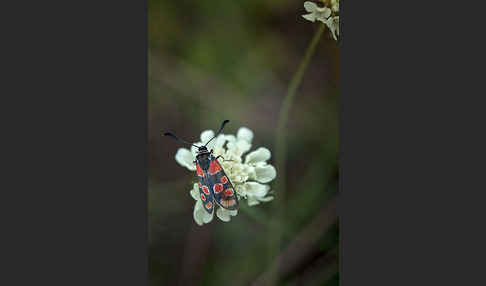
x=281, y=144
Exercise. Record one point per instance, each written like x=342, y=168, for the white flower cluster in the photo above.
x=324, y=14
x=248, y=176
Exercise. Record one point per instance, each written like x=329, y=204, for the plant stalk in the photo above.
x=281, y=149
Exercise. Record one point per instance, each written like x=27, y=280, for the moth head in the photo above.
x=202, y=150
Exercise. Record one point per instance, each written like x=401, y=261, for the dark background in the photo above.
x=215, y=60
x=74, y=137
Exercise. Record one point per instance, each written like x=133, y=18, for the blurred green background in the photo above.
x=216, y=60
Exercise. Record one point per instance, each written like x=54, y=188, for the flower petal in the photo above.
x=198, y=212
x=195, y=192
x=255, y=189
x=185, y=158
x=252, y=201
x=261, y=154
x=230, y=138
x=310, y=17
x=201, y=216
x=324, y=12
x=266, y=199
x=245, y=134
x=207, y=217
x=333, y=24
x=194, y=148
x=206, y=135
x=265, y=173
x=334, y=35
x=219, y=141
x=238, y=148
x=225, y=215
x=310, y=6
x=243, y=146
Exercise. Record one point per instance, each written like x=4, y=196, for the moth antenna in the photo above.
x=219, y=131
x=178, y=139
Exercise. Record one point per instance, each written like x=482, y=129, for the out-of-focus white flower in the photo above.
x=248, y=176
x=326, y=15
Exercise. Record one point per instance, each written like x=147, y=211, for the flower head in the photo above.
x=248, y=176
x=327, y=15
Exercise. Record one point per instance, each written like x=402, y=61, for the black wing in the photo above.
x=205, y=193
x=221, y=187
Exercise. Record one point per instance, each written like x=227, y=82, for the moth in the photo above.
x=214, y=185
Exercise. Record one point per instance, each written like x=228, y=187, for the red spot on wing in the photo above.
x=214, y=167
x=203, y=197
x=224, y=180
x=205, y=190
x=229, y=192
x=199, y=171
x=218, y=188
x=209, y=205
